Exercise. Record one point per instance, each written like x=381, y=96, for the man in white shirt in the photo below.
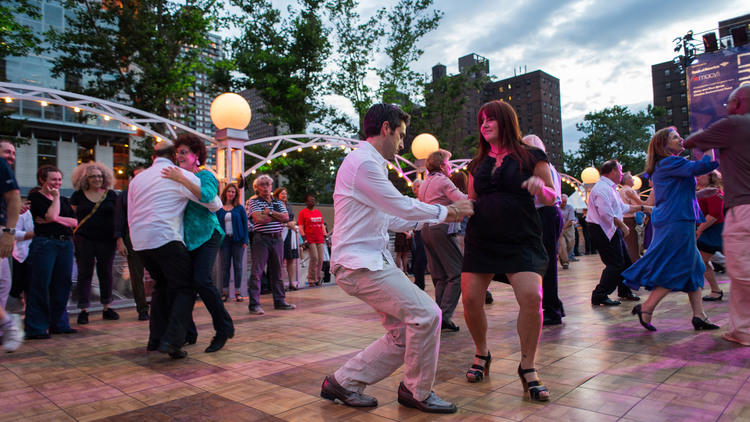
x=155, y=210
x=608, y=231
x=366, y=206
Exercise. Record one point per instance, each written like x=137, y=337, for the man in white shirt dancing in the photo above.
x=366, y=206
x=155, y=210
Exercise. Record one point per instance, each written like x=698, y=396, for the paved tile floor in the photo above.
x=600, y=365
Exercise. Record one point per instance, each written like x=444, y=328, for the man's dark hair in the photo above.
x=308, y=195
x=608, y=166
x=379, y=113
x=165, y=152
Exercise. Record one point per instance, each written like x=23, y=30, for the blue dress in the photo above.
x=672, y=260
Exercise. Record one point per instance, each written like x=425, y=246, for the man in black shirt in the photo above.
x=10, y=204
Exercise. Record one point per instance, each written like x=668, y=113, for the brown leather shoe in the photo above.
x=332, y=390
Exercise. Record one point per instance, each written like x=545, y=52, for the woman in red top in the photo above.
x=313, y=232
x=709, y=232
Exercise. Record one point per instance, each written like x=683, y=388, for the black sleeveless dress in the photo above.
x=505, y=233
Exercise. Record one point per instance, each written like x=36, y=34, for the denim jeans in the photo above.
x=49, y=290
x=231, y=255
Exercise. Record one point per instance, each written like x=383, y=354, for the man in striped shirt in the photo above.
x=267, y=215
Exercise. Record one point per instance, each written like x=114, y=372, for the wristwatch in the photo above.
x=10, y=230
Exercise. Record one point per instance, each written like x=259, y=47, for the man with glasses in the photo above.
x=268, y=215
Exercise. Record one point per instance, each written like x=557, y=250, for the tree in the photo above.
x=16, y=39
x=445, y=98
x=283, y=59
x=614, y=132
x=411, y=21
x=144, y=53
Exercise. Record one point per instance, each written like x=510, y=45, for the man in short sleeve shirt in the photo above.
x=268, y=216
x=10, y=207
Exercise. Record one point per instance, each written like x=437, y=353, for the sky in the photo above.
x=601, y=50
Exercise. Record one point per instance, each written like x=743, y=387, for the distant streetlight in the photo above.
x=231, y=114
x=590, y=175
x=422, y=146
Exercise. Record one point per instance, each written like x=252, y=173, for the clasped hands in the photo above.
x=460, y=209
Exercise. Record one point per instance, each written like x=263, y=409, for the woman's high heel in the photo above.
x=638, y=311
x=710, y=298
x=703, y=324
x=537, y=390
x=477, y=372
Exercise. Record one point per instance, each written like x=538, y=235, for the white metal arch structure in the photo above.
x=132, y=117
x=281, y=146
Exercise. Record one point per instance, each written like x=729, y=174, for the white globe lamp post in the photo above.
x=231, y=114
x=422, y=146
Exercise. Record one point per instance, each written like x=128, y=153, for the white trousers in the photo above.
x=412, y=319
x=737, y=251
x=5, y=280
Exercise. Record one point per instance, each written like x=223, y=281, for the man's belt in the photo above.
x=276, y=235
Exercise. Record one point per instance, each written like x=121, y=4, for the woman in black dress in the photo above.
x=504, y=237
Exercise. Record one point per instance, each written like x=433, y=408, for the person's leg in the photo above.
x=160, y=303
x=710, y=275
x=319, y=269
x=5, y=281
x=413, y=339
x=61, y=284
x=260, y=254
x=610, y=253
x=105, y=257
x=437, y=274
x=85, y=251
x=275, y=258
x=315, y=255
x=551, y=228
x=576, y=245
x=652, y=301
x=631, y=240
x=20, y=277
x=526, y=287
x=737, y=253
x=473, y=292
x=238, y=252
x=449, y=261
x=43, y=253
x=623, y=291
x=225, y=259
x=420, y=259
x=564, y=252
x=203, y=263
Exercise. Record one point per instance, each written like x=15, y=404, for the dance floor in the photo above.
x=600, y=365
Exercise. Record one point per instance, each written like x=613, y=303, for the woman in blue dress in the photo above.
x=672, y=261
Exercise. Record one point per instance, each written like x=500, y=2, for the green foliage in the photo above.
x=17, y=39
x=614, y=132
x=135, y=53
x=445, y=99
x=309, y=171
x=410, y=21
x=283, y=59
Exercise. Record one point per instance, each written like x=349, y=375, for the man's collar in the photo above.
x=370, y=149
x=607, y=181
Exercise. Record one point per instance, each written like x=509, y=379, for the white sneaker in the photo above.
x=13, y=335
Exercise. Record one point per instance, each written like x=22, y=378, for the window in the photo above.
x=86, y=151
x=683, y=96
x=668, y=85
x=46, y=152
x=669, y=112
x=669, y=98
x=120, y=159
x=666, y=72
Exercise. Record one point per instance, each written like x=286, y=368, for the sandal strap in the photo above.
x=477, y=367
x=487, y=357
x=526, y=371
x=714, y=291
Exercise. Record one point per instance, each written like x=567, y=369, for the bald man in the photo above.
x=731, y=136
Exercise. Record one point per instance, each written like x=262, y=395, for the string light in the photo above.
x=268, y=161
x=44, y=103
x=314, y=147
x=76, y=110
x=283, y=155
x=299, y=149
x=106, y=117
x=8, y=100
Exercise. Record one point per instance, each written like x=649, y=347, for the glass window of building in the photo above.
x=120, y=160
x=666, y=72
x=668, y=85
x=46, y=152
x=31, y=109
x=86, y=151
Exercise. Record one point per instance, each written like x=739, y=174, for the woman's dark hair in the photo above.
x=236, y=200
x=460, y=179
x=657, y=148
x=510, y=134
x=380, y=113
x=195, y=144
x=44, y=171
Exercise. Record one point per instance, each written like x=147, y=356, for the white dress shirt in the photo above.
x=605, y=205
x=25, y=224
x=366, y=206
x=156, y=206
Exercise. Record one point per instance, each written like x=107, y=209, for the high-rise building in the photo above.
x=669, y=78
x=258, y=127
x=534, y=95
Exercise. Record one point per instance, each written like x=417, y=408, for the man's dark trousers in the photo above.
x=267, y=252
x=614, y=254
x=172, y=298
x=551, y=228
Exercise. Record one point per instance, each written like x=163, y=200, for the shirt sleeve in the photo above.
x=121, y=222
x=372, y=187
x=7, y=179
x=209, y=186
x=399, y=225
x=452, y=192
x=715, y=136
x=681, y=167
x=603, y=205
x=715, y=206
x=39, y=204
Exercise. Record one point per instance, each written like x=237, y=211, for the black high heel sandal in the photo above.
x=477, y=372
x=535, y=388
x=703, y=324
x=638, y=311
x=709, y=298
